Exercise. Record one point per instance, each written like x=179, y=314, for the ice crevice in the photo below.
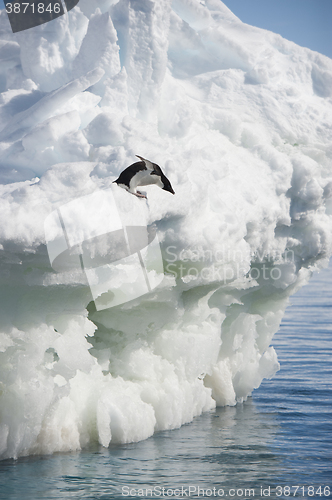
x=240, y=121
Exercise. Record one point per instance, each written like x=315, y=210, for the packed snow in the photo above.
x=240, y=121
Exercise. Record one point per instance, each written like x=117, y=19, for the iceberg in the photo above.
x=240, y=121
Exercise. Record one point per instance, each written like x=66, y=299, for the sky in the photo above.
x=305, y=22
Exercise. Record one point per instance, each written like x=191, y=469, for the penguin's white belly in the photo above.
x=144, y=178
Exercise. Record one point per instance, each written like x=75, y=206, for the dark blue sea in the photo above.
x=278, y=444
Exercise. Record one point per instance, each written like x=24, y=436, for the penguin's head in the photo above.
x=156, y=170
x=167, y=185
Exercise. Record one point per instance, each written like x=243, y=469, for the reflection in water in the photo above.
x=229, y=448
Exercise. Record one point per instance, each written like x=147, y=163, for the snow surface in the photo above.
x=240, y=121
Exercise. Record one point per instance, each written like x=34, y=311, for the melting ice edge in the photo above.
x=240, y=121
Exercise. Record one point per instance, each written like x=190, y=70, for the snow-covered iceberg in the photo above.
x=240, y=121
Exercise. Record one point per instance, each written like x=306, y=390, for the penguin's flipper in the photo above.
x=149, y=165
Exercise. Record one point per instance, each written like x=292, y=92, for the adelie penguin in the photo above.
x=143, y=173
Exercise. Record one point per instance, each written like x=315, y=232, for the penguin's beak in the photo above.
x=169, y=189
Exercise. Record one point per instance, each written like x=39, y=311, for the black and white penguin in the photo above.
x=143, y=173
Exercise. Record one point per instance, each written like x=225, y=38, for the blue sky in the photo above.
x=305, y=22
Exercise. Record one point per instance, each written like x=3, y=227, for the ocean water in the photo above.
x=278, y=444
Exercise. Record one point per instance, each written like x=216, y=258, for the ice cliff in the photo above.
x=240, y=120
